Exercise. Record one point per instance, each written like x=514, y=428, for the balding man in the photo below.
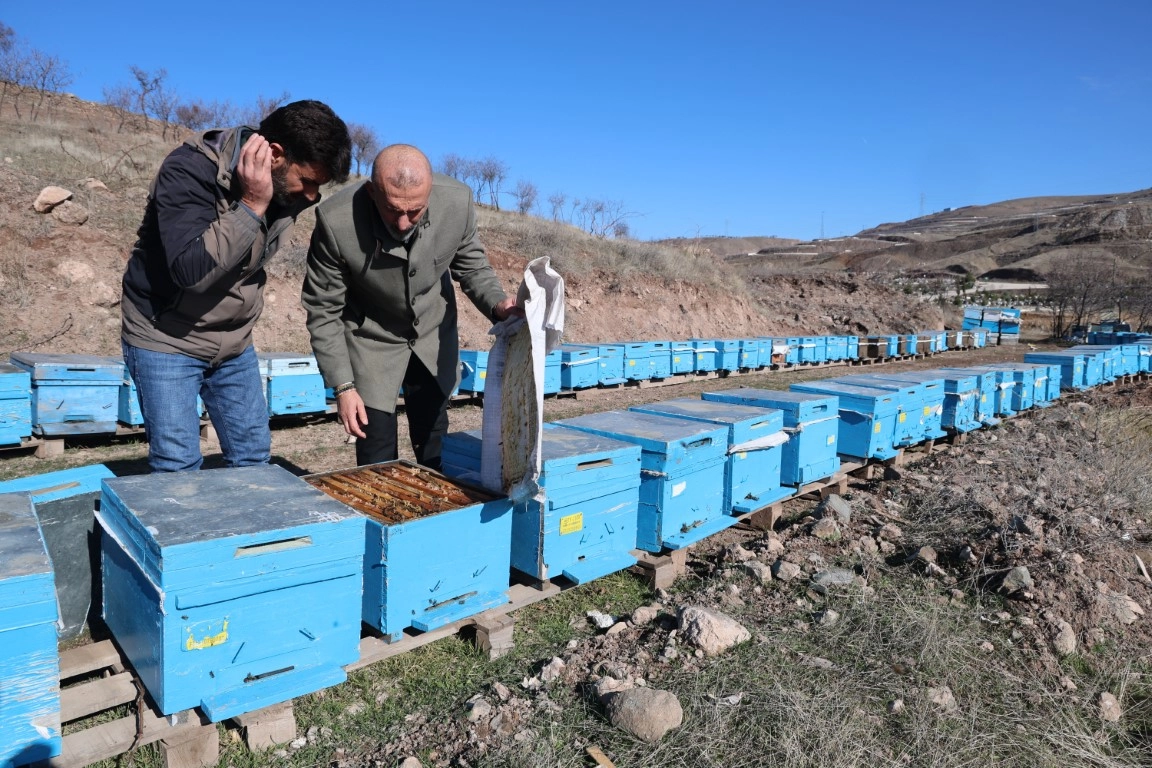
x=381, y=307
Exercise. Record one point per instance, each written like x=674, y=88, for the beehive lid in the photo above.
x=22, y=550
x=798, y=407
x=46, y=366
x=669, y=437
x=744, y=422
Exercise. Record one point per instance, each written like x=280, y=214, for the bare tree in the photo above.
x=1079, y=287
x=452, y=165
x=557, y=200
x=46, y=74
x=162, y=102
x=120, y=98
x=264, y=106
x=365, y=145
x=146, y=83
x=603, y=217
x=198, y=115
x=13, y=68
x=492, y=173
x=525, y=194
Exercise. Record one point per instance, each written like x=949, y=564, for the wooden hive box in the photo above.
x=72, y=394
x=812, y=423
x=230, y=589
x=682, y=474
x=921, y=404
x=437, y=550
x=707, y=354
x=961, y=393
x=749, y=353
x=293, y=383
x=756, y=441
x=473, y=370
x=868, y=417
x=65, y=505
x=15, y=404
x=682, y=357
x=637, y=357
x=585, y=527
x=552, y=377
x=660, y=359
x=29, y=662
x=579, y=366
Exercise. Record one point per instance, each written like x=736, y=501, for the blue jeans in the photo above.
x=233, y=392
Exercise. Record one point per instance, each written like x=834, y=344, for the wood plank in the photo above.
x=114, y=738
x=601, y=759
x=96, y=696
x=89, y=658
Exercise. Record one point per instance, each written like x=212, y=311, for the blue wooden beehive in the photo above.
x=765, y=344
x=72, y=394
x=65, y=504
x=1023, y=379
x=727, y=354
x=812, y=423
x=893, y=345
x=837, y=347
x=585, y=527
x=1073, y=367
x=683, y=356
x=579, y=366
x=867, y=424
x=852, y=347
x=756, y=440
x=961, y=394
x=611, y=364
x=793, y=350
x=15, y=404
x=437, y=549
x=473, y=370
x=987, y=387
x=1005, y=385
x=910, y=428
x=552, y=372
x=29, y=662
x=922, y=396
x=682, y=478
x=707, y=355
x=749, y=353
x=637, y=360
x=780, y=351
x=293, y=383
x=659, y=359
x=231, y=589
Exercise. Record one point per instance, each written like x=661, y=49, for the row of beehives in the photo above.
x=231, y=590
x=57, y=395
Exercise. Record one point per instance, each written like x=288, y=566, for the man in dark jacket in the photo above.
x=217, y=211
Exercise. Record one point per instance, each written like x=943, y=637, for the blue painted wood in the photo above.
x=585, y=526
x=579, y=366
x=794, y=350
x=683, y=356
x=292, y=382
x=15, y=404
x=72, y=394
x=752, y=472
x=611, y=363
x=867, y=425
x=812, y=423
x=637, y=360
x=65, y=501
x=429, y=570
x=1074, y=367
x=682, y=480
x=552, y=376
x=749, y=353
x=231, y=589
x=473, y=370
x=1044, y=379
x=852, y=347
x=837, y=348
x=807, y=346
x=922, y=401
x=961, y=395
x=727, y=354
x=29, y=662
x=707, y=354
x=660, y=359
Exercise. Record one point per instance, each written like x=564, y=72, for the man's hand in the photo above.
x=255, y=173
x=350, y=411
x=507, y=309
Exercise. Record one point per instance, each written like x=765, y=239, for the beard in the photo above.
x=404, y=236
x=280, y=193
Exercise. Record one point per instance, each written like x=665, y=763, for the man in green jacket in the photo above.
x=380, y=302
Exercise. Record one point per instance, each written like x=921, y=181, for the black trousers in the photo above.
x=427, y=408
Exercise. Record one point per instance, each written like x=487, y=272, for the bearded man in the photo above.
x=218, y=210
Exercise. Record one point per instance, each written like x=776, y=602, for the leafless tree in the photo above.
x=46, y=74
x=365, y=145
x=120, y=98
x=146, y=83
x=557, y=200
x=162, y=102
x=452, y=165
x=11, y=67
x=603, y=217
x=198, y=114
x=525, y=194
x=1079, y=287
x=492, y=173
x=264, y=106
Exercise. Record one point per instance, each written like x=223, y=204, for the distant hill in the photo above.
x=1013, y=240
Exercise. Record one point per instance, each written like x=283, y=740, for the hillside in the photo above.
x=60, y=271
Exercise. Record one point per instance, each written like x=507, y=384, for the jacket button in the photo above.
x=411, y=273
x=416, y=322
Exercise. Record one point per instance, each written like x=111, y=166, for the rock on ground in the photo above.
x=710, y=631
x=646, y=713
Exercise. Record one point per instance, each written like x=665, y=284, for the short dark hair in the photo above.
x=310, y=132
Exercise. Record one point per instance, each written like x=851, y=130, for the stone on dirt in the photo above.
x=710, y=631
x=49, y=198
x=646, y=713
x=835, y=507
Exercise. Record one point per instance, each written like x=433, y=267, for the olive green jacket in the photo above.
x=373, y=301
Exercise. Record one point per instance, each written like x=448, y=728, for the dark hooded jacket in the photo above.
x=194, y=282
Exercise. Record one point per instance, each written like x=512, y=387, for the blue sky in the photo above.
x=724, y=118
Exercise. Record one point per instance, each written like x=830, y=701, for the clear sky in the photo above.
x=794, y=119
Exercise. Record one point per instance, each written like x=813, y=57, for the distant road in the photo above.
x=993, y=285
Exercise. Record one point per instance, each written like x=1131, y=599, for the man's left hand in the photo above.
x=507, y=308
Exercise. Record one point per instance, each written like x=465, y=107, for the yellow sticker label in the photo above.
x=675, y=359
x=927, y=410
x=483, y=374
x=572, y=523
x=632, y=362
x=218, y=638
x=903, y=417
x=876, y=428
x=831, y=439
x=983, y=398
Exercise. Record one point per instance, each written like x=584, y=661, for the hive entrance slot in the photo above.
x=593, y=464
x=273, y=546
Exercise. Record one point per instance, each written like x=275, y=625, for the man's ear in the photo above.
x=277, y=151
